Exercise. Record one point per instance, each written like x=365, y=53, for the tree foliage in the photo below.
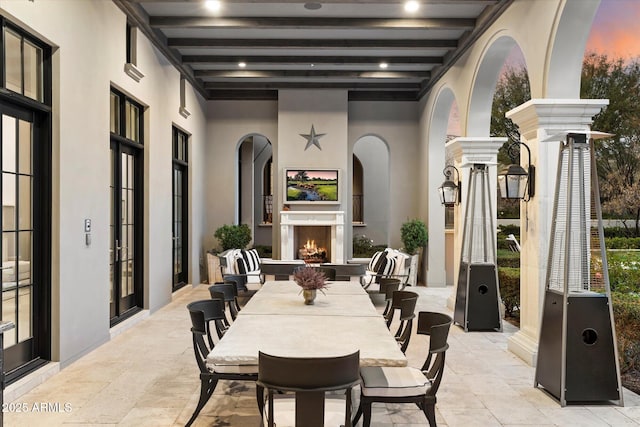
x=618, y=158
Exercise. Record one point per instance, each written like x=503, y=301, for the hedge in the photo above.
x=626, y=312
x=622, y=242
x=624, y=271
x=510, y=290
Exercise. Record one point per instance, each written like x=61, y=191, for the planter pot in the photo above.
x=309, y=296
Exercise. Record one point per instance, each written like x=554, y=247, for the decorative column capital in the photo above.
x=467, y=151
x=554, y=115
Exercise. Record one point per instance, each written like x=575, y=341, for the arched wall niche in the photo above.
x=373, y=153
x=253, y=153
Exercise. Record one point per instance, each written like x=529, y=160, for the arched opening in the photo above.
x=371, y=156
x=255, y=187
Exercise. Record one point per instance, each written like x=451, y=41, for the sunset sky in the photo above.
x=615, y=29
x=614, y=32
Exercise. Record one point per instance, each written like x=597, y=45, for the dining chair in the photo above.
x=407, y=384
x=329, y=273
x=213, y=311
x=200, y=312
x=303, y=384
x=403, y=303
x=220, y=296
x=230, y=296
x=387, y=288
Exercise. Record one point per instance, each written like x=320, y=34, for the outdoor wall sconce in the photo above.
x=450, y=191
x=514, y=181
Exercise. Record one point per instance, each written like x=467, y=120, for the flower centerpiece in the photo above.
x=310, y=280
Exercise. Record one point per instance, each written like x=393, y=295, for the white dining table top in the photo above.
x=292, y=303
x=276, y=321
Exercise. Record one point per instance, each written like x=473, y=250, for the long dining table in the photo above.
x=276, y=321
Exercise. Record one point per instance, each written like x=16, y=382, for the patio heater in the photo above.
x=577, y=354
x=477, y=296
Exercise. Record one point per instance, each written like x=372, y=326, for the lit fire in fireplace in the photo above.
x=310, y=252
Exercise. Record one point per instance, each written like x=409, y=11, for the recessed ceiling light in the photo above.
x=312, y=65
x=312, y=6
x=242, y=64
x=213, y=5
x=383, y=65
x=411, y=6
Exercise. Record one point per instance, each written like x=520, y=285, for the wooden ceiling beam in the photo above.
x=336, y=74
x=291, y=60
x=198, y=42
x=303, y=23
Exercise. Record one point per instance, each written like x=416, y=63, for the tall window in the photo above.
x=126, y=127
x=180, y=227
x=25, y=178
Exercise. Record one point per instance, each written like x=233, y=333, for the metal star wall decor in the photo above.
x=312, y=138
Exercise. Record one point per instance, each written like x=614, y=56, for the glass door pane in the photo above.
x=17, y=238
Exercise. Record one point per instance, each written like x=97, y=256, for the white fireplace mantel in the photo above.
x=291, y=219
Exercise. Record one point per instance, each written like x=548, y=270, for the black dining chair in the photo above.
x=403, y=303
x=329, y=273
x=387, y=288
x=230, y=293
x=407, y=384
x=201, y=313
x=296, y=389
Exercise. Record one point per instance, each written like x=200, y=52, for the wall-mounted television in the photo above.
x=306, y=185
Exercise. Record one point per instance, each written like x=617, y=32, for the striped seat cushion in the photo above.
x=376, y=259
x=393, y=381
x=253, y=276
x=251, y=259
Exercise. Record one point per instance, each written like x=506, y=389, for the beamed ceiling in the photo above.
x=330, y=44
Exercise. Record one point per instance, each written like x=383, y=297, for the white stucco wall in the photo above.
x=88, y=59
x=396, y=123
x=228, y=123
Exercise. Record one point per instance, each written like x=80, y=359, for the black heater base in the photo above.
x=477, y=298
x=590, y=368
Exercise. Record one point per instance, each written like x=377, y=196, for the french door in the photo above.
x=25, y=237
x=126, y=208
x=179, y=225
x=180, y=228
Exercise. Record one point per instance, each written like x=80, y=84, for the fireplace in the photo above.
x=313, y=243
x=322, y=230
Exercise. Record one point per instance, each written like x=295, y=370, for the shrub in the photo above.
x=233, y=236
x=626, y=311
x=622, y=242
x=624, y=271
x=414, y=235
x=510, y=290
x=507, y=258
x=503, y=233
x=619, y=232
x=264, y=251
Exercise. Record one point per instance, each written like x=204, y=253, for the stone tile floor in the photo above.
x=147, y=376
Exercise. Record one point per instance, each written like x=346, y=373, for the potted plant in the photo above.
x=233, y=236
x=414, y=237
x=310, y=280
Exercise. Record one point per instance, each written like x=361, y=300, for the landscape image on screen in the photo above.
x=312, y=185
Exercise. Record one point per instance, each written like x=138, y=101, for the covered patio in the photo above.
x=147, y=376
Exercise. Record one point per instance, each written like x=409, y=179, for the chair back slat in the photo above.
x=309, y=378
x=305, y=373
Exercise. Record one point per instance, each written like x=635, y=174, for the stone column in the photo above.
x=538, y=119
x=467, y=151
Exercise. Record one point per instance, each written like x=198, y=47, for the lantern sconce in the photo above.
x=514, y=181
x=450, y=193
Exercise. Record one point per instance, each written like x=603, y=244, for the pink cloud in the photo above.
x=613, y=30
